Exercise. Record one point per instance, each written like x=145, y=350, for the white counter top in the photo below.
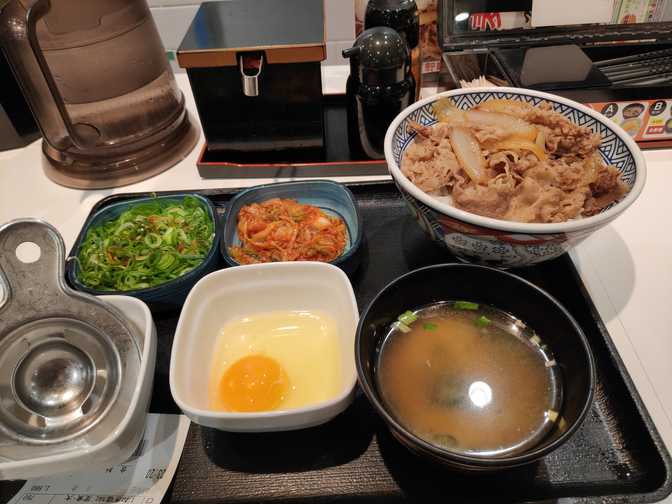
x=627, y=266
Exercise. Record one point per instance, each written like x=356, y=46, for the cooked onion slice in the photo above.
x=468, y=153
x=510, y=107
x=515, y=144
x=514, y=126
x=446, y=112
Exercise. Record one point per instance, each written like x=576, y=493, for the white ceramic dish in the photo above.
x=238, y=291
x=122, y=443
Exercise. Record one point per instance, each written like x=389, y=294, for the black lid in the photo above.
x=401, y=15
x=379, y=56
x=291, y=31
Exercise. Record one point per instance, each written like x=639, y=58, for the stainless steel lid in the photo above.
x=69, y=363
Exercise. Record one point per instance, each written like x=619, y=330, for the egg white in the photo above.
x=304, y=343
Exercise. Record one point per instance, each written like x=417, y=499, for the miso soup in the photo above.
x=470, y=378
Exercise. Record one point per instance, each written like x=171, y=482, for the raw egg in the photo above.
x=253, y=383
x=276, y=360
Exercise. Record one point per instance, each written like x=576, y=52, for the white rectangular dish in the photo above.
x=240, y=291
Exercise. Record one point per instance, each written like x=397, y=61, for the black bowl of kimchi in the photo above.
x=293, y=221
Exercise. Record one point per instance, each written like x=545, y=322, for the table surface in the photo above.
x=626, y=266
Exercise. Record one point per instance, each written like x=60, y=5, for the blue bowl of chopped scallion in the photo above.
x=153, y=248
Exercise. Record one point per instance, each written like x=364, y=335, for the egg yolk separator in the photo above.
x=69, y=362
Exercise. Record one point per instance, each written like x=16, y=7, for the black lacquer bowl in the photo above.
x=507, y=292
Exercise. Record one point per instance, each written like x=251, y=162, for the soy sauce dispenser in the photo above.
x=379, y=87
x=402, y=16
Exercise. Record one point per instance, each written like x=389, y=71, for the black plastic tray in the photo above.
x=616, y=456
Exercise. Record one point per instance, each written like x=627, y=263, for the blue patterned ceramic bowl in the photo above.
x=489, y=241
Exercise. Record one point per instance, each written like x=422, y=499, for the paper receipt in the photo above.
x=144, y=479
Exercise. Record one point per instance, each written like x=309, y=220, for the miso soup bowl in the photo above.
x=494, y=242
x=509, y=293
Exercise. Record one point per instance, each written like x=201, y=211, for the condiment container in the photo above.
x=402, y=16
x=380, y=86
x=254, y=68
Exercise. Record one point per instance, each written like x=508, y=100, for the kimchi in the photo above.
x=286, y=230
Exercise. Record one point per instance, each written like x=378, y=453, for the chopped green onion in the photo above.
x=166, y=261
x=408, y=317
x=483, y=321
x=562, y=424
x=402, y=327
x=146, y=245
x=153, y=240
x=465, y=305
x=169, y=236
x=428, y=326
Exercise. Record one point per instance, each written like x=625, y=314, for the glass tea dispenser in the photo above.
x=97, y=79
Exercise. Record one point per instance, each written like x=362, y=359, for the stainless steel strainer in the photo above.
x=68, y=362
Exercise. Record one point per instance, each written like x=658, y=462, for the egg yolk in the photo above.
x=253, y=383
